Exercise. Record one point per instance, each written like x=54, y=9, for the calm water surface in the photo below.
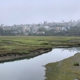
x=32, y=69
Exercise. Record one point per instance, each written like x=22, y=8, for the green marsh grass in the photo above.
x=27, y=43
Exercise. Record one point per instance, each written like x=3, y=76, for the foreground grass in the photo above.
x=21, y=44
x=64, y=70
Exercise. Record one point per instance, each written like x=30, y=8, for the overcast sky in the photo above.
x=36, y=11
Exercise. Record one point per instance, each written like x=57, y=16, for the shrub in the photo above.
x=76, y=64
x=45, y=43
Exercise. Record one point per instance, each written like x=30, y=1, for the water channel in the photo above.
x=33, y=68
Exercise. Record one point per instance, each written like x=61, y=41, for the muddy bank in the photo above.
x=65, y=69
x=17, y=55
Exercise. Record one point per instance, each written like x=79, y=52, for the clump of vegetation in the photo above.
x=76, y=64
x=64, y=70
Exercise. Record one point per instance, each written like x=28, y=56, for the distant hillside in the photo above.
x=71, y=28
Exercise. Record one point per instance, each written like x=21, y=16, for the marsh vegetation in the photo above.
x=23, y=44
x=67, y=69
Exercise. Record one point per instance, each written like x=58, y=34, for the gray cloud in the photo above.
x=35, y=11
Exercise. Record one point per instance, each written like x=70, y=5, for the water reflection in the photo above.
x=72, y=49
x=32, y=69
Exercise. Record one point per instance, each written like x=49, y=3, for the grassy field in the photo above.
x=21, y=44
x=65, y=69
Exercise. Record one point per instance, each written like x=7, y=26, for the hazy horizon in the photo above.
x=36, y=11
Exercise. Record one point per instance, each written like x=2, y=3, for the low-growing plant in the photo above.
x=76, y=64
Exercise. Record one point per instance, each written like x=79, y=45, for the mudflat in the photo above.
x=67, y=69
